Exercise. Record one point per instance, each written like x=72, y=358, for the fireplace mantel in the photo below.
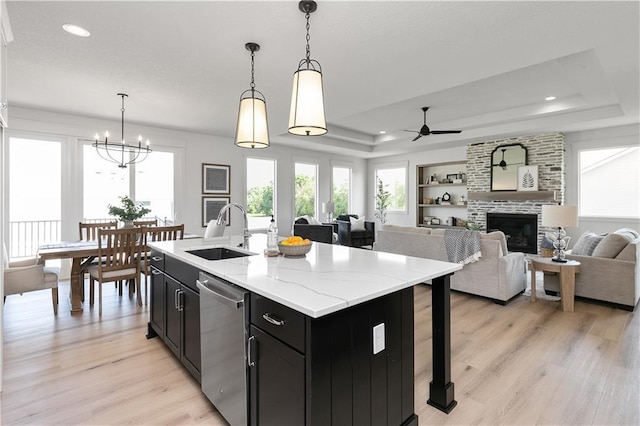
x=513, y=195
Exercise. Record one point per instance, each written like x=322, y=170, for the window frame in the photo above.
x=391, y=166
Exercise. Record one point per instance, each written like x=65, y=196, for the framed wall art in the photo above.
x=528, y=178
x=211, y=206
x=216, y=179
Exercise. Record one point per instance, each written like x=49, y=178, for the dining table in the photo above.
x=82, y=254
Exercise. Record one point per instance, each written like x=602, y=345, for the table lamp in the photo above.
x=560, y=217
x=328, y=208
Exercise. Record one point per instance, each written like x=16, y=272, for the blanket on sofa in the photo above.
x=463, y=246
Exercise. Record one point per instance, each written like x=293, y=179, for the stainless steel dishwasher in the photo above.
x=223, y=342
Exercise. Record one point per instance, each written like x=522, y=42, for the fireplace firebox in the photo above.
x=521, y=230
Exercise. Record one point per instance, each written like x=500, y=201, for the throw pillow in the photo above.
x=611, y=246
x=357, y=224
x=587, y=244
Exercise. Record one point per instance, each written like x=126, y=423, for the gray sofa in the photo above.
x=498, y=275
x=609, y=268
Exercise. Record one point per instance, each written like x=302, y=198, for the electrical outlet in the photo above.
x=378, y=338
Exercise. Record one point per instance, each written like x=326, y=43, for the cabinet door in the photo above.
x=276, y=382
x=172, y=315
x=156, y=316
x=190, y=354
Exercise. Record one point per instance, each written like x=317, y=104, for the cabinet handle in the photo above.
x=156, y=258
x=175, y=299
x=272, y=320
x=181, y=300
x=250, y=361
x=156, y=272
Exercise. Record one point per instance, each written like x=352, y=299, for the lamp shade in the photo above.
x=557, y=216
x=328, y=207
x=306, y=117
x=252, y=130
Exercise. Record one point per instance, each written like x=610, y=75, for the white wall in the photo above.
x=192, y=150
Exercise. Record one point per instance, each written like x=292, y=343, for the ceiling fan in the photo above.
x=425, y=131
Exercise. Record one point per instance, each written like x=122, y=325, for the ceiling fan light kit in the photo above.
x=425, y=131
x=252, y=129
x=306, y=117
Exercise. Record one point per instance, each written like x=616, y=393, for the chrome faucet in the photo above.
x=220, y=222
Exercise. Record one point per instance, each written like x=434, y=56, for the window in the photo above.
x=154, y=184
x=261, y=179
x=609, y=182
x=305, y=189
x=394, y=180
x=103, y=182
x=35, y=194
x=341, y=189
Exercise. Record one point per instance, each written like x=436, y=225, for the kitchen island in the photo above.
x=343, y=353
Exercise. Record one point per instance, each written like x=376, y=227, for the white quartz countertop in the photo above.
x=330, y=278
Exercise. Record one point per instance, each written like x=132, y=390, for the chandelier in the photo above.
x=121, y=152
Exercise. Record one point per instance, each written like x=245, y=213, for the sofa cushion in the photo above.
x=611, y=245
x=587, y=243
x=631, y=234
x=498, y=236
x=357, y=224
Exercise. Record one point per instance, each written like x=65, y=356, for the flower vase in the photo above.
x=127, y=224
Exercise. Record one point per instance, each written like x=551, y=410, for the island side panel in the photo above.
x=346, y=382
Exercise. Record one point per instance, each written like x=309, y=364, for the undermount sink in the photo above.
x=218, y=253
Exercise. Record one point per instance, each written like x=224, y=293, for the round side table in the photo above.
x=567, y=271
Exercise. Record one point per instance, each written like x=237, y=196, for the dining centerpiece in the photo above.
x=128, y=211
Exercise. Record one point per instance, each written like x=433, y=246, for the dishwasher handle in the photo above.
x=232, y=297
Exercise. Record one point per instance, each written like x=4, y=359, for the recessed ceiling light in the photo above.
x=76, y=30
x=549, y=98
x=382, y=132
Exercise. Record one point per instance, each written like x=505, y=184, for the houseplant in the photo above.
x=128, y=211
x=383, y=199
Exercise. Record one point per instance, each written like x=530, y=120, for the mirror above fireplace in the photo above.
x=505, y=160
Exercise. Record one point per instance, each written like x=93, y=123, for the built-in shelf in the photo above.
x=442, y=205
x=513, y=195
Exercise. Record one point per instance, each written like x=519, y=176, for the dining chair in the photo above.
x=156, y=233
x=120, y=250
x=22, y=276
x=89, y=231
x=150, y=222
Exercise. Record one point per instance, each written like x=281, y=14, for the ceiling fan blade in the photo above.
x=444, y=132
x=412, y=131
x=416, y=138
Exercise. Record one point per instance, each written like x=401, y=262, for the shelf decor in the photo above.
x=528, y=178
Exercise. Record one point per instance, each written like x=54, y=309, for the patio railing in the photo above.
x=25, y=236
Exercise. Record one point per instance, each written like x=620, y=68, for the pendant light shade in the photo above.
x=252, y=130
x=307, y=104
x=307, y=117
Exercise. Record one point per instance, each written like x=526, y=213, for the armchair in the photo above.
x=27, y=275
x=320, y=233
x=354, y=238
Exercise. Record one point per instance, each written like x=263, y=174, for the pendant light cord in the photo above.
x=122, y=110
x=308, y=38
x=253, y=84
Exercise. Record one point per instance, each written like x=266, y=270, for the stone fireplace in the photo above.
x=547, y=151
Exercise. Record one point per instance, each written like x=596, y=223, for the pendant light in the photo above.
x=252, y=130
x=307, y=104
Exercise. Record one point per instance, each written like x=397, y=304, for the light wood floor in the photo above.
x=517, y=364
